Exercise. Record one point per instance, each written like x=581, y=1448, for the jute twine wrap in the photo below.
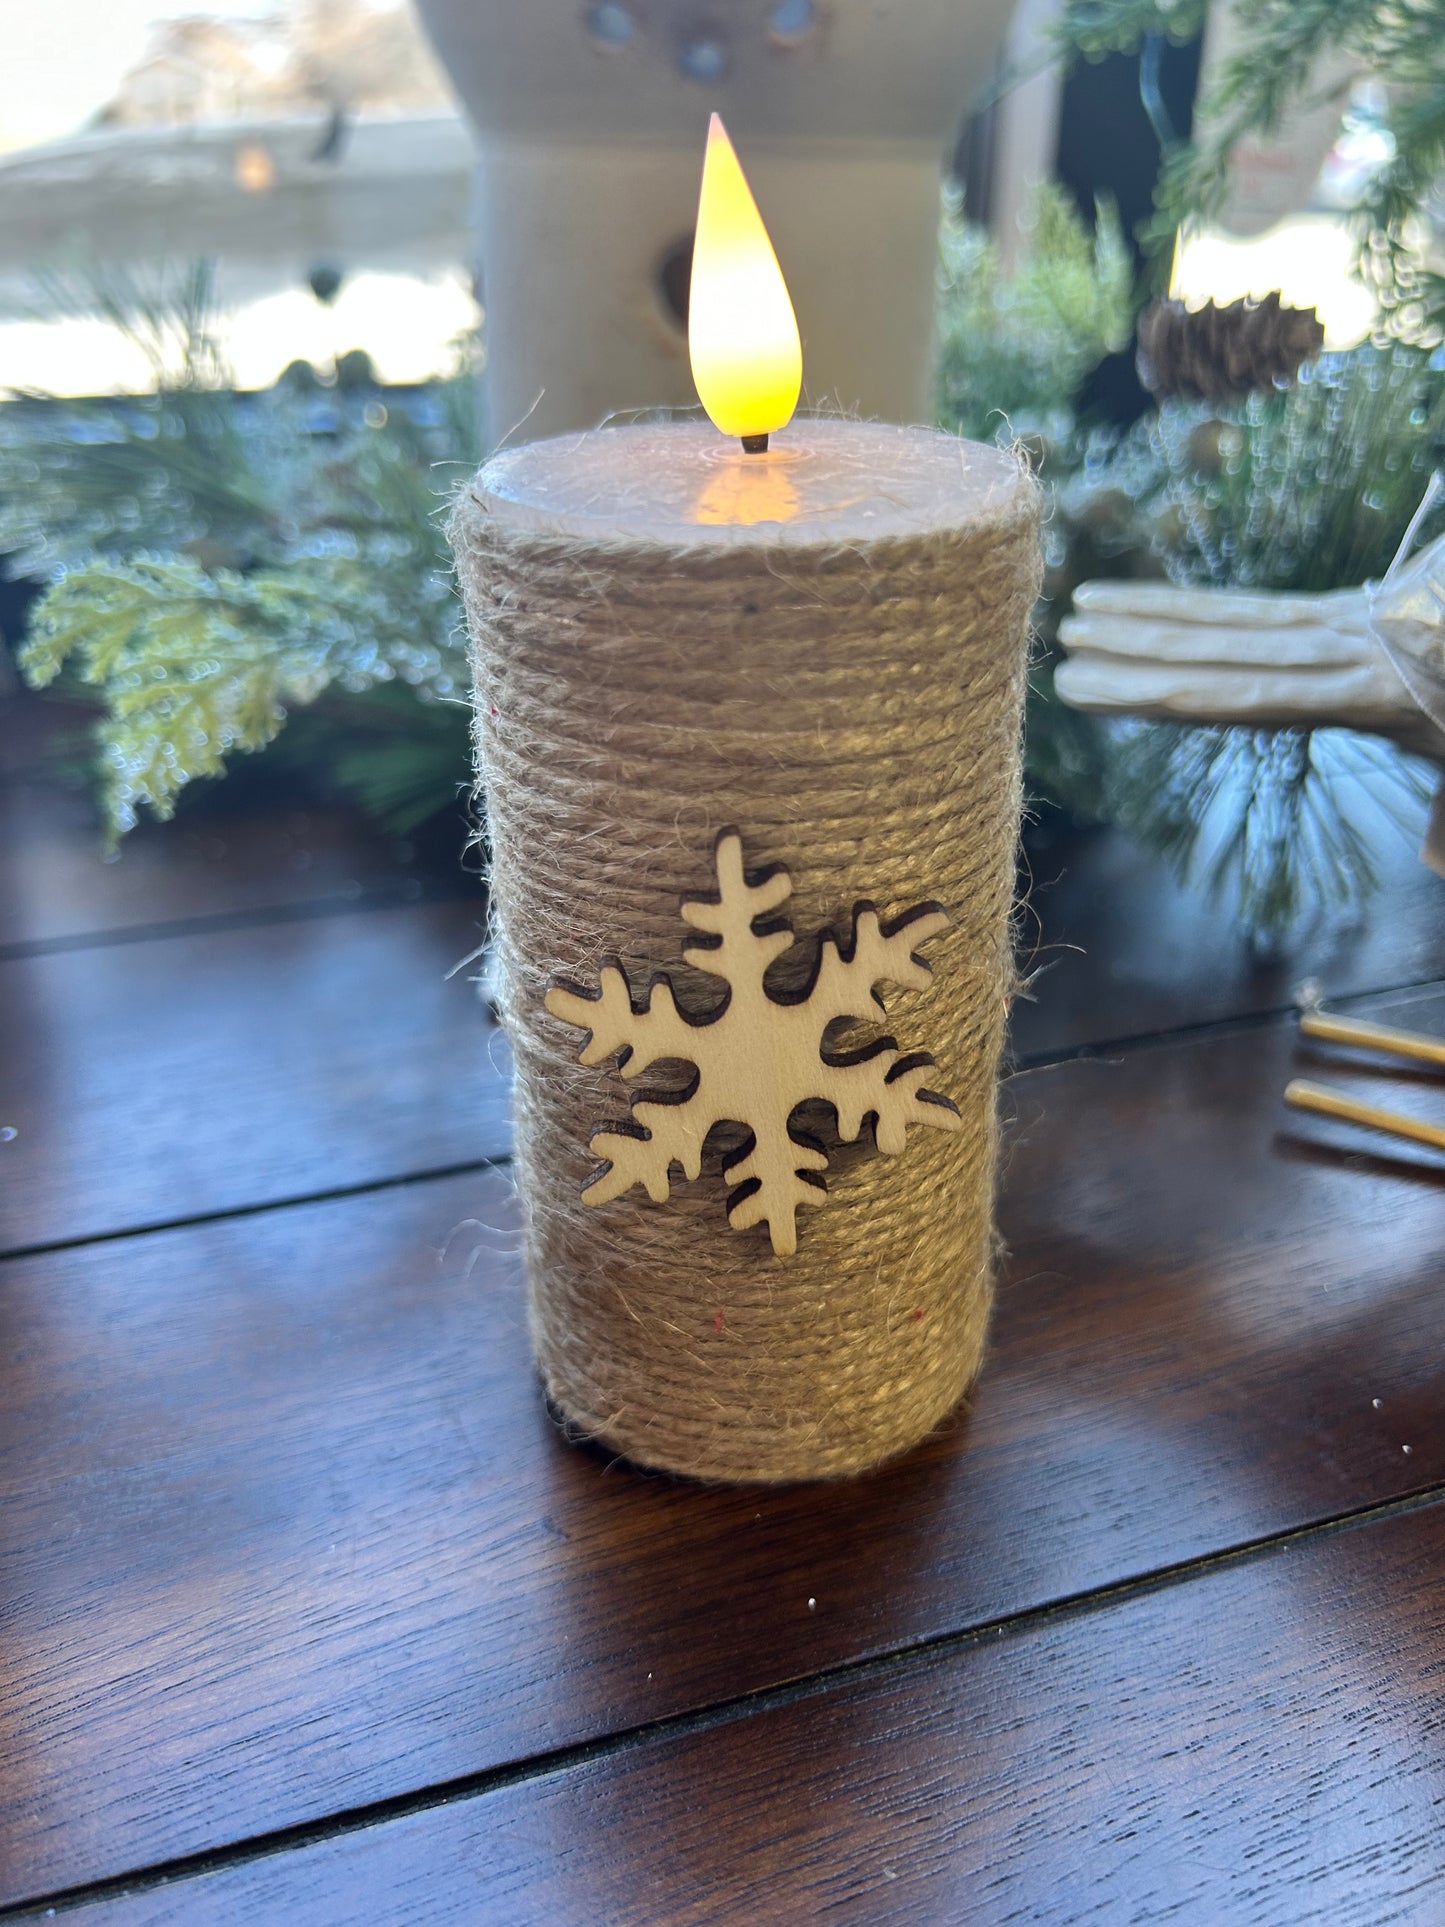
x=853, y=707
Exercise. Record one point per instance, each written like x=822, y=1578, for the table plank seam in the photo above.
x=501, y=1160
x=395, y=897
x=934, y=1650
x=1028, y=1062
x=362, y=1188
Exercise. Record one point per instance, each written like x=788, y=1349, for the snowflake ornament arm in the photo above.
x=759, y=1055
x=641, y=1034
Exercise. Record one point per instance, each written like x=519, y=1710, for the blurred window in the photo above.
x=311, y=151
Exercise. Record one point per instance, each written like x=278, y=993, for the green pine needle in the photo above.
x=1273, y=69
x=1014, y=351
x=1306, y=490
x=217, y=561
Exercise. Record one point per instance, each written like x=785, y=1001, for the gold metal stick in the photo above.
x=1354, y=1030
x=1331, y=1103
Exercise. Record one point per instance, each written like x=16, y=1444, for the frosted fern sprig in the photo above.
x=194, y=665
x=217, y=559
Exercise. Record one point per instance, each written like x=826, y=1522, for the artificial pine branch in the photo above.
x=1309, y=489
x=1281, y=47
x=1306, y=490
x=402, y=758
x=217, y=560
x=1014, y=352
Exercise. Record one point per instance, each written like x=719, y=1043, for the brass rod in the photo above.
x=1354, y=1030
x=1331, y=1103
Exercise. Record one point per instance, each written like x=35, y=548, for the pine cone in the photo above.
x=1223, y=354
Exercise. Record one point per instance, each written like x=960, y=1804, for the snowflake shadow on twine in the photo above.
x=761, y=1054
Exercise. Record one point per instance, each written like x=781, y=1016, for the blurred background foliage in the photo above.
x=215, y=563
x=1015, y=350
x=1284, y=53
x=1303, y=487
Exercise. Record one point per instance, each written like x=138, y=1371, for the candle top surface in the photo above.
x=823, y=482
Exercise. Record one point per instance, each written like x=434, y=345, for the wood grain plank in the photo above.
x=1264, y=1746
x=148, y=1082
x=58, y=887
x=1094, y=899
x=1122, y=949
x=176, y=1077
x=287, y=1529
x=34, y=730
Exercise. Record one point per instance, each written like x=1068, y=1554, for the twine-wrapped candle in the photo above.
x=823, y=649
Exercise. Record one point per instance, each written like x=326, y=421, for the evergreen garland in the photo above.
x=1307, y=490
x=218, y=562
x=1014, y=350
x=214, y=561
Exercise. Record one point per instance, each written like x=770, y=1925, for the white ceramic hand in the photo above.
x=1266, y=659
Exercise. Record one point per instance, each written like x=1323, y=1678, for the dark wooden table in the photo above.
x=309, y=1615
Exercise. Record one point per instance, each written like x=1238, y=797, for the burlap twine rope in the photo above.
x=855, y=711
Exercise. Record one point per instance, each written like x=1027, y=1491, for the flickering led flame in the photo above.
x=742, y=335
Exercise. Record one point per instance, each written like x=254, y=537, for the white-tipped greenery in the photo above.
x=215, y=562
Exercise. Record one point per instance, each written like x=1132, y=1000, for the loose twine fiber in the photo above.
x=854, y=709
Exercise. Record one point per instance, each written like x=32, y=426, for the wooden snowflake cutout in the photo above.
x=760, y=1054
